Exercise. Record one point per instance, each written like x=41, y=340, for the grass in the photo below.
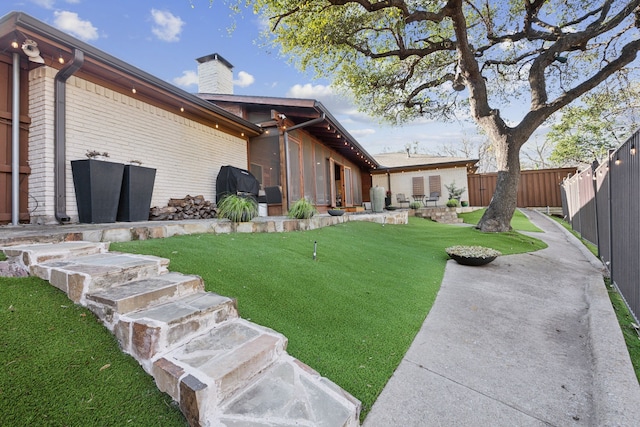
x=351, y=315
x=519, y=221
x=60, y=367
x=625, y=319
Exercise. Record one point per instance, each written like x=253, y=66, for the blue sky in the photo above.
x=164, y=37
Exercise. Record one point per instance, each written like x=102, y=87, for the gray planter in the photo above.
x=97, y=184
x=136, y=193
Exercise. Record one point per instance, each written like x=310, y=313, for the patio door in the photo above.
x=340, y=194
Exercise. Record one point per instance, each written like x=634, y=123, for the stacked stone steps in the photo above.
x=141, y=294
x=222, y=370
x=149, y=332
x=441, y=215
x=290, y=394
x=32, y=254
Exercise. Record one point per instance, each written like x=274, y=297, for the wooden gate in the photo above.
x=6, y=84
x=537, y=188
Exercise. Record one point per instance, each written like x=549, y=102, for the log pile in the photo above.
x=189, y=207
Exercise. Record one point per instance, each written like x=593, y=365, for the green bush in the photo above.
x=415, y=205
x=302, y=209
x=454, y=192
x=237, y=208
x=452, y=203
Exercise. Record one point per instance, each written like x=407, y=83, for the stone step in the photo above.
x=81, y=275
x=210, y=368
x=159, y=328
x=291, y=394
x=31, y=254
x=110, y=303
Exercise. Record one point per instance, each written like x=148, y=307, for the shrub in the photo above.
x=452, y=203
x=237, y=208
x=454, y=192
x=302, y=209
x=415, y=205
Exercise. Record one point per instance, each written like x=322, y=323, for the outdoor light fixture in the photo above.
x=60, y=58
x=15, y=44
x=618, y=161
x=133, y=88
x=182, y=108
x=632, y=150
x=30, y=48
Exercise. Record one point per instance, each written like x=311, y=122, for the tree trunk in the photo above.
x=498, y=216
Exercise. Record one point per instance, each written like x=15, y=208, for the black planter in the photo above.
x=136, y=192
x=335, y=212
x=97, y=184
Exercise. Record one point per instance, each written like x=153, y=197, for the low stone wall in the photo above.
x=124, y=232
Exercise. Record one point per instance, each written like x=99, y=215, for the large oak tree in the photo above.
x=402, y=59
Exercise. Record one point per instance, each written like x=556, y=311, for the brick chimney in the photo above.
x=215, y=75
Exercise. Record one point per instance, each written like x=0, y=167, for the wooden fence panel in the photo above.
x=537, y=188
x=6, y=85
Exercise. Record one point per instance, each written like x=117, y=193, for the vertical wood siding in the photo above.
x=6, y=89
x=537, y=188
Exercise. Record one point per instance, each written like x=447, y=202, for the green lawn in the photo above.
x=519, y=221
x=351, y=314
x=60, y=367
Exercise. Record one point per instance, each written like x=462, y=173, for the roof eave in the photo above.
x=429, y=166
x=21, y=21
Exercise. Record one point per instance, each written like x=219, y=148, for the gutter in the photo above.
x=60, y=140
x=15, y=143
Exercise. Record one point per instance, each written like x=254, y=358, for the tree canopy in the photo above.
x=403, y=59
x=587, y=131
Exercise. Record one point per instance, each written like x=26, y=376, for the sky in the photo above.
x=164, y=38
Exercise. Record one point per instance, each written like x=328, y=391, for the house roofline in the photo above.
x=293, y=103
x=470, y=164
x=17, y=21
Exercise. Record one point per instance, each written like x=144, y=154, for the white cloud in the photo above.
x=47, y=4
x=359, y=133
x=167, y=26
x=309, y=91
x=188, y=78
x=71, y=23
x=244, y=79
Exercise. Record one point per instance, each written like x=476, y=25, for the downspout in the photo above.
x=286, y=147
x=59, y=141
x=15, y=142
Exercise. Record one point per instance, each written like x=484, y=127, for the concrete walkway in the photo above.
x=528, y=340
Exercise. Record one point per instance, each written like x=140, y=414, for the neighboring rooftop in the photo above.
x=404, y=161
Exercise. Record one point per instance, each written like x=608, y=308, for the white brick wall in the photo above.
x=41, y=151
x=403, y=182
x=215, y=77
x=186, y=154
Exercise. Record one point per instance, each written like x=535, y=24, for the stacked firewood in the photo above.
x=189, y=207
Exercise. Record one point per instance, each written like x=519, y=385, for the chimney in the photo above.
x=215, y=75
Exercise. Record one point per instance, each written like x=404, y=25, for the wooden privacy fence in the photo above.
x=6, y=123
x=603, y=205
x=537, y=188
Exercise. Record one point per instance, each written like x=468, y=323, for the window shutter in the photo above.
x=418, y=186
x=434, y=185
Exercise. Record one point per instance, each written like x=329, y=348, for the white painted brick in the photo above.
x=186, y=154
